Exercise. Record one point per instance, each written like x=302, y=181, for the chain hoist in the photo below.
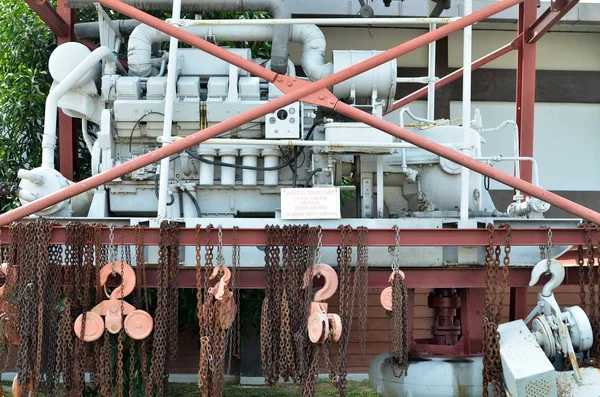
x=394, y=300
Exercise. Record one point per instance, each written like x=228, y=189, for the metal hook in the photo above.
x=545, y=266
x=330, y=277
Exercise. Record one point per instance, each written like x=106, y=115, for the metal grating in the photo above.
x=538, y=388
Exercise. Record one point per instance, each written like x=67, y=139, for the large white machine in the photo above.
x=239, y=175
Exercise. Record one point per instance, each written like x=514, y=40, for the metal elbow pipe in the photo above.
x=275, y=8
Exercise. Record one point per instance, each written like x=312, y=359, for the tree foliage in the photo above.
x=25, y=45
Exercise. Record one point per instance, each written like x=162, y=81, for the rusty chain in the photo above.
x=496, y=289
x=398, y=317
x=361, y=279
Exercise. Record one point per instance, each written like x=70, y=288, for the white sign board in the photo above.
x=313, y=203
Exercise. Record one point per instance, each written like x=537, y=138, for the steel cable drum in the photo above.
x=381, y=78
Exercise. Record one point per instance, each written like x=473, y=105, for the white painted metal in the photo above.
x=168, y=114
x=67, y=82
x=466, y=111
x=323, y=21
x=431, y=78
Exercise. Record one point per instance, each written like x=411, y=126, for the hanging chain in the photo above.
x=398, y=317
x=494, y=296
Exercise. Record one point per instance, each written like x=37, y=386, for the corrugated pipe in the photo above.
x=275, y=8
x=310, y=36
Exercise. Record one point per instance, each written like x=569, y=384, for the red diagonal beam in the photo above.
x=248, y=116
x=444, y=81
x=50, y=17
x=549, y=18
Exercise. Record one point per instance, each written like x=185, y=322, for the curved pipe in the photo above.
x=275, y=8
x=51, y=111
x=139, y=50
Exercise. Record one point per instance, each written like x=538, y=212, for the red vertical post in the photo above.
x=526, y=86
x=67, y=130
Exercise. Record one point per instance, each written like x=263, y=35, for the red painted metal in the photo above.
x=68, y=135
x=518, y=303
x=461, y=278
x=549, y=18
x=247, y=116
x=444, y=81
x=469, y=162
x=446, y=328
x=50, y=16
x=378, y=237
x=526, y=87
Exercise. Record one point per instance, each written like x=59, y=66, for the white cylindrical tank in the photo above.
x=382, y=78
x=228, y=156
x=207, y=171
x=271, y=157
x=250, y=159
x=67, y=57
x=428, y=377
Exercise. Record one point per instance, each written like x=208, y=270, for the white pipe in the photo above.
x=431, y=78
x=139, y=49
x=380, y=193
x=51, y=110
x=517, y=159
x=323, y=21
x=86, y=136
x=328, y=144
x=168, y=118
x=422, y=80
x=466, y=111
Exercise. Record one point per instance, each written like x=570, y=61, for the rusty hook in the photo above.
x=330, y=277
x=220, y=289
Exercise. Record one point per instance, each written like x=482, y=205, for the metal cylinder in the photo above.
x=271, y=157
x=249, y=158
x=228, y=156
x=207, y=171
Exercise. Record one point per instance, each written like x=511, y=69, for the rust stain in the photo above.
x=575, y=365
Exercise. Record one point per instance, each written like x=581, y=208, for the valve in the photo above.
x=138, y=323
x=322, y=325
x=385, y=298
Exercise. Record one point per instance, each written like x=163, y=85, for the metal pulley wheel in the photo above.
x=580, y=329
x=543, y=333
x=94, y=326
x=138, y=324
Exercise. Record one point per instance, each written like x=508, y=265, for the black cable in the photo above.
x=191, y=196
x=156, y=176
x=138, y=123
x=244, y=167
x=312, y=173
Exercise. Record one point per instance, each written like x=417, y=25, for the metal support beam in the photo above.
x=256, y=237
x=68, y=137
x=526, y=87
x=50, y=16
x=378, y=278
x=513, y=45
x=554, y=13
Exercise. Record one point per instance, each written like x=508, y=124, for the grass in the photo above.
x=324, y=389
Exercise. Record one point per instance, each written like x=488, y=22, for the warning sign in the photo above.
x=313, y=203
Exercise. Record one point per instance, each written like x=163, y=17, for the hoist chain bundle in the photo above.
x=398, y=316
x=286, y=350
x=496, y=288
x=590, y=300
x=218, y=313
x=164, y=346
